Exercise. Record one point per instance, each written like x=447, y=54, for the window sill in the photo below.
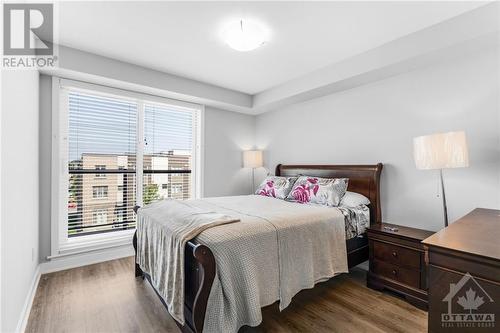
x=85, y=244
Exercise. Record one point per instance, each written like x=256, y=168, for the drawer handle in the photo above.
x=394, y=272
x=394, y=254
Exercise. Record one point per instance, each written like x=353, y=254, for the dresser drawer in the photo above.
x=408, y=276
x=396, y=255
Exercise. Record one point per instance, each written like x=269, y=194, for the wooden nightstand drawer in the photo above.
x=397, y=261
x=396, y=255
x=410, y=277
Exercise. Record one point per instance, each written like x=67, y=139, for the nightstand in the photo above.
x=397, y=261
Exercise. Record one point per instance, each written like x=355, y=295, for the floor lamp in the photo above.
x=252, y=159
x=441, y=151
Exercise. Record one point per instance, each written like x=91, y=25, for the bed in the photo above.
x=200, y=263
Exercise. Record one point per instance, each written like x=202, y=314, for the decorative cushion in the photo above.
x=353, y=199
x=321, y=191
x=276, y=187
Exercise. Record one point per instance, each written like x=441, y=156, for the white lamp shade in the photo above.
x=252, y=158
x=441, y=151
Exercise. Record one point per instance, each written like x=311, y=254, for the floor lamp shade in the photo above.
x=252, y=159
x=441, y=151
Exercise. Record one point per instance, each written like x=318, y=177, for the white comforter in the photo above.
x=275, y=250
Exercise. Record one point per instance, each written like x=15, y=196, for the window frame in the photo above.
x=98, y=167
x=99, y=212
x=60, y=243
x=96, y=193
x=177, y=187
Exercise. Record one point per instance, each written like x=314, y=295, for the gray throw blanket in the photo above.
x=275, y=250
x=163, y=229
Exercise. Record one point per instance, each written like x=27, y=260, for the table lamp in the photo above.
x=441, y=151
x=252, y=159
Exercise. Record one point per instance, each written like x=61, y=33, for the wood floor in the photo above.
x=107, y=298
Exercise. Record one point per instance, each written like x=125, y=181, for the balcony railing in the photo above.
x=118, y=208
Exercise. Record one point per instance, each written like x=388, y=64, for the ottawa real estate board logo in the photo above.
x=469, y=305
x=28, y=36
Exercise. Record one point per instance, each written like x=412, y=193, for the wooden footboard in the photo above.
x=199, y=274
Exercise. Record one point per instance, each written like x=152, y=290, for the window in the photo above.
x=109, y=169
x=99, y=192
x=100, y=167
x=100, y=216
x=177, y=188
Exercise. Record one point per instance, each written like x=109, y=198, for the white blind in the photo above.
x=102, y=134
x=104, y=153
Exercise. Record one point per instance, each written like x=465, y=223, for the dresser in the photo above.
x=464, y=274
x=397, y=261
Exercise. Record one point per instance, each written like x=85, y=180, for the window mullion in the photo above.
x=140, y=152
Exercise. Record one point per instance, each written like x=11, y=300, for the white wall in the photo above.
x=19, y=174
x=376, y=123
x=227, y=134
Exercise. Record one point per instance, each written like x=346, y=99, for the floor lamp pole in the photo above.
x=253, y=180
x=445, y=208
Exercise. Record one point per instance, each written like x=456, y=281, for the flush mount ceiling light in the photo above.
x=244, y=35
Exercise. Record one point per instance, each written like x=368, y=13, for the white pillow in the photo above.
x=353, y=199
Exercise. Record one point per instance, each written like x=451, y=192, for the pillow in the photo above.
x=276, y=187
x=353, y=199
x=321, y=191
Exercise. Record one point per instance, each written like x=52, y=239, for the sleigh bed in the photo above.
x=200, y=263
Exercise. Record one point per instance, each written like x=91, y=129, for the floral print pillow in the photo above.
x=321, y=191
x=276, y=187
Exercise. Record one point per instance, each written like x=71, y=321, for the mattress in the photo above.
x=357, y=219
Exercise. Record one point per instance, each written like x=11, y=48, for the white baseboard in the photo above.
x=23, y=320
x=84, y=259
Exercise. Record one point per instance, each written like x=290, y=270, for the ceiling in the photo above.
x=184, y=38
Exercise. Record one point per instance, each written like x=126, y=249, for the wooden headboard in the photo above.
x=363, y=179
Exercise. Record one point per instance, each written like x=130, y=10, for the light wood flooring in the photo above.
x=106, y=297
